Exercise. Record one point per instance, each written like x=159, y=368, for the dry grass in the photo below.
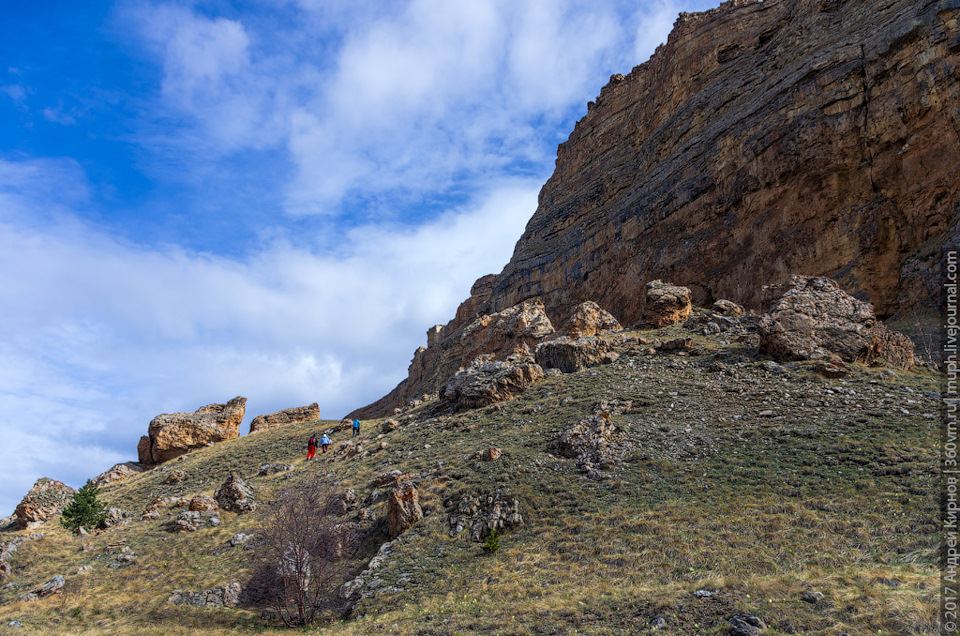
x=838, y=499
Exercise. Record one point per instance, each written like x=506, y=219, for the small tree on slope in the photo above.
x=85, y=510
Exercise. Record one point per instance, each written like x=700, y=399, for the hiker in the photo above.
x=324, y=443
x=356, y=427
x=312, y=446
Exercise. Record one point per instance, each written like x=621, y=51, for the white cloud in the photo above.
x=99, y=335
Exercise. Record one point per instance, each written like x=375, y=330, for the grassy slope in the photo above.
x=834, y=491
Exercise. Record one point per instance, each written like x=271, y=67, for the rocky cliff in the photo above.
x=764, y=139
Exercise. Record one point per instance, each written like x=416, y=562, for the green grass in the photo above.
x=832, y=491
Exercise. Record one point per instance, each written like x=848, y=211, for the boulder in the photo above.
x=298, y=415
x=403, y=509
x=588, y=319
x=572, y=355
x=511, y=331
x=594, y=443
x=389, y=426
x=203, y=503
x=47, y=498
x=223, y=596
x=666, y=304
x=187, y=521
x=811, y=318
x=118, y=472
x=172, y=435
x=487, y=382
x=235, y=495
x=727, y=308
x=273, y=469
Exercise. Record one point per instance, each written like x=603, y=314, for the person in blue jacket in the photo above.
x=324, y=443
x=356, y=427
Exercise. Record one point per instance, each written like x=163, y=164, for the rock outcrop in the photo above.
x=515, y=330
x=224, y=596
x=403, y=509
x=235, y=495
x=485, y=512
x=765, y=138
x=172, y=435
x=812, y=318
x=47, y=498
x=298, y=415
x=572, y=355
x=666, y=304
x=589, y=319
x=487, y=381
x=118, y=472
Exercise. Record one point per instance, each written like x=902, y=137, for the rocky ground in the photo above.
x=665, y=491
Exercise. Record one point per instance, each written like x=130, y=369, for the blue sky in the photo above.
x=272, y=198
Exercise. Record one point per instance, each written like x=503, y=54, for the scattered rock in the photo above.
x=187, y=521
x=240, y=538
x=666, y=304
x=47, y=498
x=677, y=344
x=594, y=443
x=235, y=495
x=298, y=415
x=812, y=318
x=746, y=625
x=811, y=596
x=51, y=587
x=727, y=308
x=483, y=513
x=223, y=596
x=118, y=472
x=572, y=355
x=175, y=477
x=389, y=426
x=273, y=469
x=491, y=454
x=487, y=382
x=589, y=319
x=114, y=517
x=172, y=435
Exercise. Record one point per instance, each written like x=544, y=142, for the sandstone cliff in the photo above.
x=764, y=139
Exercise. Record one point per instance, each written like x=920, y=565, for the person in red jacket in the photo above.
x=311, y=447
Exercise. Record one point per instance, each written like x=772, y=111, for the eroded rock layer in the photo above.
x=764, y=139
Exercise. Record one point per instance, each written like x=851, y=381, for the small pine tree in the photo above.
x=85, y=510
x=492, y=543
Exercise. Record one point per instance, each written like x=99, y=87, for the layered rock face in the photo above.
x=47, y=498
x=172, y=435
x=298, y=415
x=818, y=137
x=764, y=139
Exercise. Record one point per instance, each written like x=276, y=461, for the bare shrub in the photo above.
x=298, y=569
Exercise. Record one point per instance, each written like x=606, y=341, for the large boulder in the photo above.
x=488, y=381
x=511, y=331
x=589, y=319
x=572, y=355
x=298, y=415
x=811, y=318
x=403, y=509
x=666, y=304
x=235, y=495
x=172, y=435
x=47, y=498
x=118, y=472
x=484, y=513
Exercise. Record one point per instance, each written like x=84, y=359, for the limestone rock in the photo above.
x=594, y=442
x=389, y=426
x=812, y=318
x=761, y=139
x=746, y=625
x=572, y=355
x=484, y=512
x=117, y=473
x=172, y=435
x=341, y=540
x=273, y=469
x=666, y=304
x=298, y=415
x=223, y=596
x=487, y=382
x=588, y=319
x=403, y=509
x=175, y=477
x=203, y=503
x=235, y=495
x=187, y=521
x=727, y=308
x=47, y=498
x=512, y=331
x=114, y=517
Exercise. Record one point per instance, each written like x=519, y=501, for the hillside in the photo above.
x=761, y=484
x=764, y=139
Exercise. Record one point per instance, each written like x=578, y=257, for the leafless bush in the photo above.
x=297, y=570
